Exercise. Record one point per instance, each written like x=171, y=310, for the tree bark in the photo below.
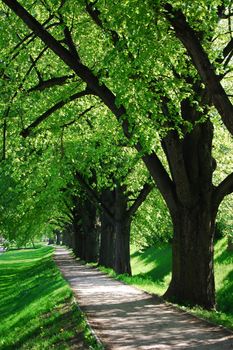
x=122, y=249
x=90, y=232
x=78, y=237
x=58, y=237
x=192, y=265
x=67, y=235
x=107, y=239
x=122, y=232
x=194, y=218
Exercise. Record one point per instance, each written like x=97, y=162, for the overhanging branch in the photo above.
x=202, y=63
x=42, y=85
x=79, y=115
x=140, y=199
x=26, y=132
x=223, y=189
x=158, y=172
x=92, y=194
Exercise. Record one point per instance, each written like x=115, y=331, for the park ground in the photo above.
x=38, y=310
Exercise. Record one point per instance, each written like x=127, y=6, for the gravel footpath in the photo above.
x=125, y=318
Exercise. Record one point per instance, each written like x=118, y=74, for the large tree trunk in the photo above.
x=122, y=247
x=91, y=232
x=122, y=233
x=78, y=238
x=107, y=235
x=67, y=235
x=76, y=229
x=193, y=219
x=192, y=267
x=58, y=237
x=107, y=244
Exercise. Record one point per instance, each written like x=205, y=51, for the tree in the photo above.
x=172, y=92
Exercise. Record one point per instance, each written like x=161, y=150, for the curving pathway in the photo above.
x=125, y=318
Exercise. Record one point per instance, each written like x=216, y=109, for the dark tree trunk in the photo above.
x=78, y=235
x=67, y=235
x=122, y=247
x=90, y=232
x=122, y=233
x=58, y=237
x=107, y=244
x=107, y=235
x=193, y=219
x=192, y=266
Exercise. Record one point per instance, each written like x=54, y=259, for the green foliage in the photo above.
x=143, y=66
x=151, y=224
x=37, y=309
x=151, y=74
x=223, y=153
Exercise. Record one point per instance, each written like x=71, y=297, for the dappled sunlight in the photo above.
x=36, y=307
x=155, y=262
x=127, y=318
x=224, y=297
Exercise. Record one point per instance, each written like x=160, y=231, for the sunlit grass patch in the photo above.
x=37, y=309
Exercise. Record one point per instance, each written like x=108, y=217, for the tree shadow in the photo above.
x=17, y=255
x=147, y=322
x=162, y=259
x=226, y=257
x=52, y=326
x=225, y=295
x=36, y=284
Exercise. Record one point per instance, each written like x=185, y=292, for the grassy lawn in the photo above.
x=151, y=270
x=37, y=308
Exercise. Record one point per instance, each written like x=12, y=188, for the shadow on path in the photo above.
x=126, y=318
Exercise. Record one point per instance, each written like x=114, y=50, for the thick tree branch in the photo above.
x=26, y=37
x=140, y=199
x=32, y=37
x=94, y=13
x=222, y=190
x=42, y=85
x=95, y=16
x=79, y=115
x=228, y=49
x=26, y=132
x=161, y=178
x=172, y=147
x=203, y=65
x=71, y=45
x=158, y=172
x=81, y=70
x=92, y=194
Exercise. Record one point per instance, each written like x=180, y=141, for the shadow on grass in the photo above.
x=52, y=327
x=31, y=254
x=225, y=257
x=29, y=288
x=161, y=257
x=225, y=295
x=25, y=286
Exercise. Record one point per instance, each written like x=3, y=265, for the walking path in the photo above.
x=125, y=318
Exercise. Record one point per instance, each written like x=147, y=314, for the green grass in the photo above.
x=151, y=271
x=37, y=308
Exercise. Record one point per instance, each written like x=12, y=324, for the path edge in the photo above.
x=95, y=336
x=153, y=295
